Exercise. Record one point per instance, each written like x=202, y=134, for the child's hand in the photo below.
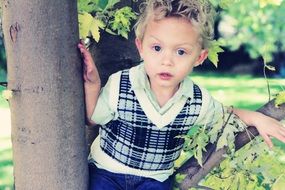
x=90, y=73
x=266, y=126
x=269, y=127
x=92, y=82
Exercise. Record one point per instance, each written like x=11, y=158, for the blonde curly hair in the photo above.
x=200, y=13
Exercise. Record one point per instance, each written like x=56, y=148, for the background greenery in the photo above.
x=258, y=28
x=243, y=91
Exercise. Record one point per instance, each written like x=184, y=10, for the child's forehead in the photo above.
x=179, y=23
x=200, y=13
x=173, y=29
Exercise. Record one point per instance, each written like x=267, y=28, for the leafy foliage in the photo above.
x=222, y=131
x=96, y=5
x=247, y=169
x=89, y=26
x=240, y=170
x=100, y=14
x=196, y=141
x=122, y=21
x=280, y=99
x=214, y=50
x=258, y=25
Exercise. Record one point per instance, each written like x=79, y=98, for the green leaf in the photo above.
x=271, y=68
x=214, y=49
x=180, y=177
x=201, y=142
x=280, y=99
x=111, y=3
x=89, y=26
x=87, y=5
x=122, y=20
x=198, y=156
x=242, y=181
x=124, y=34
x=225, y=4
x=94, y=29
x=193, y=130
x=222, y=142
x=264, y=3
x=102, y=3
x=110, y=31
x=216, y=128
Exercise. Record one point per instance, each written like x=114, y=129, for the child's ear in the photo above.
x=139, y=45
x=203, y=55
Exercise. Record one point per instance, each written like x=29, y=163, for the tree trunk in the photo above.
x=47, y=108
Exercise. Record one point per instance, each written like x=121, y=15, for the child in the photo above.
x=143, y=109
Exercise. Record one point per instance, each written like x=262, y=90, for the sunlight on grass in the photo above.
x=240, y=91
x=6, y=165
x=3, y=102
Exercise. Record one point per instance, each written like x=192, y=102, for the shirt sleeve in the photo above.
x=211, y=110
x=106, y=107
x=219, y=121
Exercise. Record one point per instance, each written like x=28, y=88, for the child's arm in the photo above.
x=266, y=126
x=92, y=83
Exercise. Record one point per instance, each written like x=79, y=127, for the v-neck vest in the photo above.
x=133, y=139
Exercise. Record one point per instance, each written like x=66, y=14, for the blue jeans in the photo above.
x=100, y=179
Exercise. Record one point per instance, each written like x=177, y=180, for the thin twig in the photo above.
x=266, y=79
x=5, y=84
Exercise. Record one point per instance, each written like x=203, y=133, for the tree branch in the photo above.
x=213, y=157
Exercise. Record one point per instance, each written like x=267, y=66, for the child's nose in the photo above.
x=167, y=59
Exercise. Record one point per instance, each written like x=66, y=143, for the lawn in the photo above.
x=3, y=103
x=6, y=165
x=240, y=91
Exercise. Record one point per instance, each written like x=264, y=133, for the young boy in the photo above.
x=143, y=109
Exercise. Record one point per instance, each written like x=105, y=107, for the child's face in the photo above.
x=170, y=49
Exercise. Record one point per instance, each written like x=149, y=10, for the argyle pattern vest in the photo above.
x=135, y=141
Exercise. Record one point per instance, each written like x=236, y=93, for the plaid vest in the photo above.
x=136, y=142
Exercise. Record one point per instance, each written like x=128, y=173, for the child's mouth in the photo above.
x=165, y=76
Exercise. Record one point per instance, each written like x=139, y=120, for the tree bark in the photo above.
x=47, y=108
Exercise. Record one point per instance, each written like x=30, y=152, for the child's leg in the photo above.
x=151, y=184
x=102, y=180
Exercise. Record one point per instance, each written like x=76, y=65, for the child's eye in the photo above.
x=181, y=52
x=156, y=48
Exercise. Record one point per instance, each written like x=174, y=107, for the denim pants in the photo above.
x=100, y=179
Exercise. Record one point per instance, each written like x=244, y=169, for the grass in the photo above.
x=239, y=91
x=6, y=164
x=3, y=102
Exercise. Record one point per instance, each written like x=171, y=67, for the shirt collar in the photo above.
x=141, y=82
